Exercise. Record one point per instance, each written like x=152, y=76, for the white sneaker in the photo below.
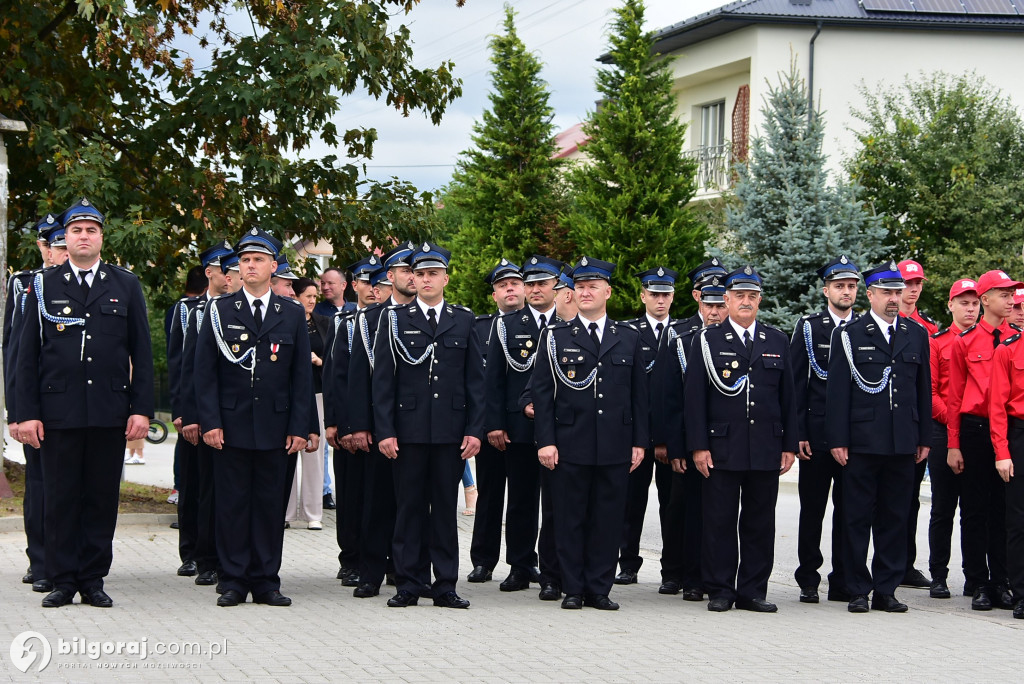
x=173, y=498
x=316, y=525
x=136, y=460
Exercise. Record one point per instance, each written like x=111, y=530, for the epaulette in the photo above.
x=122, y=269
x=224, y=296
x=942, y=332
x=1011, y=339
x=772, y=327
x=487, y=317
x=293, y=301
x=631, y=324
x=1016, y=327
x=969, y=330
x=713, y=326
x=191, y=298
x=926, y=317
x=459, y=307
x=557, y=324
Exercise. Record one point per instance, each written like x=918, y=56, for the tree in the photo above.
x=179, y=153
x=630, y=196
x=941, y=159
x=505, y=191
x=787, y=221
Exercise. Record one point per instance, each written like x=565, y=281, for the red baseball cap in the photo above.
x=995, y=279
x=1018, y=296
x=961, y=286
x=911, y=270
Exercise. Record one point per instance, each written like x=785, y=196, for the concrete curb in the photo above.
x=17, y=524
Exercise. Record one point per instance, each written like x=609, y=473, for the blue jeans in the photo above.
x=467, y=476
x=327, y=472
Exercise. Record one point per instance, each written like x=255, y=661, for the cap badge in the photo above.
x=583, y=261
x=533, y=260
x=714, y=261
x=49, y=218
x=892, y=266
x=844, y=260
x=426, y=247
x=504, y=261
x=661, y=271
x=253, y=232
x=749, y=271
x=714, y=281
x=227, y=245
x=373, y=260
x=85, y=202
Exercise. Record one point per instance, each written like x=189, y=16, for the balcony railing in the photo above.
x=714, y=167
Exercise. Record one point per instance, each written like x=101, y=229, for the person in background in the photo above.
x=332, y=291
x=284, y=277
x=1017, y=314
x=469, y=490
x=305, y=501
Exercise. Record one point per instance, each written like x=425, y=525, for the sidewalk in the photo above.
x=327, y=635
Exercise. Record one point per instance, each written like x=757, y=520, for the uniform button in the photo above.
x=88, y=337
x=256, y=399
x=600, y=396
x=751, y=421
x=89, y=359
x=88, y=382
x=599, y=412
x=895, y=405
x=894, y=390
x=599, y=364
x=88, y=315
x=600, y=379
x=435, y=396
x=751, y=403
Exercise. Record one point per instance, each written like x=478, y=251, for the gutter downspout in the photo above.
x=810, y=75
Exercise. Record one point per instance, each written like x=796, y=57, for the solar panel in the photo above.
x=995, y=7
x=940, y=6
x=887, y=5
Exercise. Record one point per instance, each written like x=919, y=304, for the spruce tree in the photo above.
x=505, y=191
x=787, y=221
x=630, y=196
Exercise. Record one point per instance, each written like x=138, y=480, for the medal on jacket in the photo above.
x=570, y=374
x=273, y=351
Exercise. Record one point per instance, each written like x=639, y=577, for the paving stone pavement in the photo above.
x=327, y=635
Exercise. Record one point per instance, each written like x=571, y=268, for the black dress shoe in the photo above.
x=915, y=578
x=572, y=602
x=343, y=572
x=219, y=588
x=888, y=603
x=549, y=591
x=601, y=602
x=207, y=578
x=58, y=598
x=174, y=525
x=479, y=574
x=28, y=578
x=757, y=605
x=719, y=605
x=366, y=590
x=351, y=580
x=1002, y=597
x=403, y=599
x=981, y=601
x=97, y=598
x=858, y=603
x=838, y=594
x=969, y=588
x=1018, y=609
x=329, y=504
x=939, y=590
x=450, y=599
x=230, y=598
x=670, y=587
x=693, y=594
x=272, y=598
x=809, y=595
x=626, y=577
x=187, y=569
x=534, y=575
x=517, y=580
x=42, y=586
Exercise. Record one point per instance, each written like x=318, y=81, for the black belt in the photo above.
x=971, y=420
x=1016, y=423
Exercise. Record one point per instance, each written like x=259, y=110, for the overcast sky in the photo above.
x=567, y=36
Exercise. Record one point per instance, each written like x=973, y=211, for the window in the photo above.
x=712, y=124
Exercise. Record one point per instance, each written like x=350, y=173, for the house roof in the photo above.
x=951, y=15
x=570, y=140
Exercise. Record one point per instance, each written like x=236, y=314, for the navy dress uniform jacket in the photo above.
x=748, y=431
x=17, y=292
x=91, y=375
x=650, y=343
x=810, y=387
x=256, y=410
x=896, y=420
x=601, y=424
x=440, y=400
x=506, y=383
x=667, y=382
x=180, y=313
x=337, y=358
x=360, y=370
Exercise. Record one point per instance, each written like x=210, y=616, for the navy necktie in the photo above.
x=258, y=315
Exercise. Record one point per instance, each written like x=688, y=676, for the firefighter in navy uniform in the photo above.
x=509, y=368
x=699, y=277
x=255, y=411
x=491, y=475
x=591, y=425
x=428, y=388
x=658, y=287
x=85, y=346
x=819, y=472
x=185, y=452
x=354, y=408
x=741, y=427
x=878, y=420
x=18, y=287
x=684, y=524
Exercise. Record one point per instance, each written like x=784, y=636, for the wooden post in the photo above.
x=6, y=126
